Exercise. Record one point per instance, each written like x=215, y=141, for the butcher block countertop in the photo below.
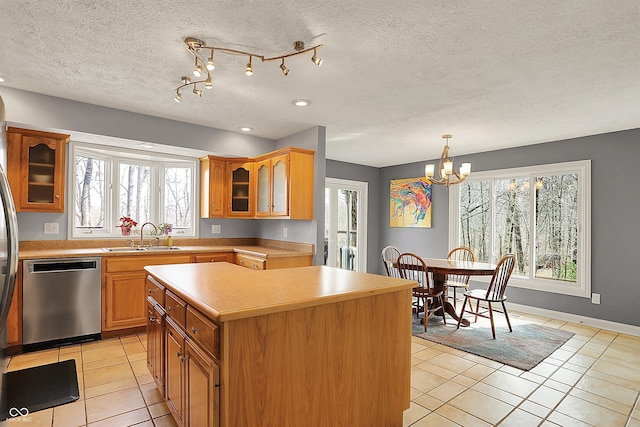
x=225, y=292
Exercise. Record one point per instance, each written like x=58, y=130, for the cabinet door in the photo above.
x=203, y=387
x=212, y=187
x=263, y=188
x=123, y=303
x=240, y=189
x=174, y=380
x=155, y=343
x=280, y=185
x=35, y=168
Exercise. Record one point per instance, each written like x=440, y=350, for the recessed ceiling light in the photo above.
x=245, y=129
x=301, y=102
x=2, y=79
x=146, y=145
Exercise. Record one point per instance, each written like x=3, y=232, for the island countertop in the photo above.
x=224, y=291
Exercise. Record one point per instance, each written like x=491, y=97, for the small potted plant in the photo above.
x=125, y=225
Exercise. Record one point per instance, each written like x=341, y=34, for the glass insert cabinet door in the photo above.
x=240, y=190
x=273, y=186
x=41, y=174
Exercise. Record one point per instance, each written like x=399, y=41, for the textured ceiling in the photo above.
x=396, y=75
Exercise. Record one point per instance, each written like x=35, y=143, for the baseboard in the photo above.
x=588, y=321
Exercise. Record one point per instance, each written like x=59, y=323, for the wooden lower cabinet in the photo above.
x=174, y=380
x=202, y=387
x=192, y=380
x=124, y=292
x=155, y=342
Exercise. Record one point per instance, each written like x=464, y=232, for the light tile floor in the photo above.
x=592, y=380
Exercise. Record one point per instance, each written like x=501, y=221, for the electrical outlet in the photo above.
x=595, y=298
x=215, y=229
x=51, y=228
x=285, y=232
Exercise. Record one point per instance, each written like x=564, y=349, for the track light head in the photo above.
x=249, y=70
x=208, y=84
x=315, y=59
x=210, y=64
x=178, y=97
x=197, y=71
x=186, y=80
x=197, y=91
x=284, y=68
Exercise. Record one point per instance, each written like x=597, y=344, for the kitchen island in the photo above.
x=312, y=346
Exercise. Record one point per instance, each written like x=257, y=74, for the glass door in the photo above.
x=345, y=243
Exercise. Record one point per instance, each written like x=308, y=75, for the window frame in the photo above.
x=582, y=286
x=157, y=161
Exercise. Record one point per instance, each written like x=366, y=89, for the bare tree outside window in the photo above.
x=177, y=202
x=90, y=190
x=135, y=192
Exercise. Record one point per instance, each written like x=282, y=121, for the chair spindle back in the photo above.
x=460, y=254
x=390, y=256
x=412, y=267
x=500, y=277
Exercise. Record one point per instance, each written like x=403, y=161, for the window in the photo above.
x=146, y=187
x=540, y=213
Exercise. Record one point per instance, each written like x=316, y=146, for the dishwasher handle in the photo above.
x=48, y=267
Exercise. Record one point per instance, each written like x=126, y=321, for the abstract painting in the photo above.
x=410, y=203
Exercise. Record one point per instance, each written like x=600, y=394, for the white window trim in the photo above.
x=582, y=286
x=114, y=158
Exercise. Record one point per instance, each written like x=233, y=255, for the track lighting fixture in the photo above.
x=284, y=68
x=198, y=47
x=249, y=70
x=178, y=96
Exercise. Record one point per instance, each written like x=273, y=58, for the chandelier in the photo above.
x=202, y=67
x=448, y=175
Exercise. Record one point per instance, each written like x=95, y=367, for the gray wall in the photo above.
x=371, y=175
x=615, y=209
x=52, y=113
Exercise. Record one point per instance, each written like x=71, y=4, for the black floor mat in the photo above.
x=41, y=387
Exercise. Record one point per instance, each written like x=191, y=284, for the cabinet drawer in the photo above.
x=155, y=290
x=203, y=331
x=252, y=262
x=138, y=262
x=214, y=257
x=176, y=308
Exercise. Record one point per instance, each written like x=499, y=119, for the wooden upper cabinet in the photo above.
x=285, y=184
x=36, y=169
x=212, y=187
x=240, y=189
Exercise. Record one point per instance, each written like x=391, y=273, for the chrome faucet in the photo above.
x=142, y=232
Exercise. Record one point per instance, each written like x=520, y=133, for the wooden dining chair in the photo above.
x=456, y=281
x=494, y=293
x=390, y=256
x=412, y=267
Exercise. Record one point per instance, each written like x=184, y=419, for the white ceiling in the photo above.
x=396, y=75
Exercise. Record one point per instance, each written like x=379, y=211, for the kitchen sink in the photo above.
x=145, y=249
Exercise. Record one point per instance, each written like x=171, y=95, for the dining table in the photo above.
x=440, y=268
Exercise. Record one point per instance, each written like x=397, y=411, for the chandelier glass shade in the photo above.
x=203, y=65
x=448, y=176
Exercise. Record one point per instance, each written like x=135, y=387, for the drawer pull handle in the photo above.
x=151, y=291
x=169, y=308
x=152, y=318
x=193, y=330
x=182, y=357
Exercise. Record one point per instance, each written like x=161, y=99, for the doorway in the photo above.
x=345, y=224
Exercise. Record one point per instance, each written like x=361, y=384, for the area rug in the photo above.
x=525, y=347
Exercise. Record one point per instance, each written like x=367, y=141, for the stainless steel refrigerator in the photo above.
x=8, y=260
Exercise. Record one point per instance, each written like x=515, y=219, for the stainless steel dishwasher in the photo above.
x=61, y=300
